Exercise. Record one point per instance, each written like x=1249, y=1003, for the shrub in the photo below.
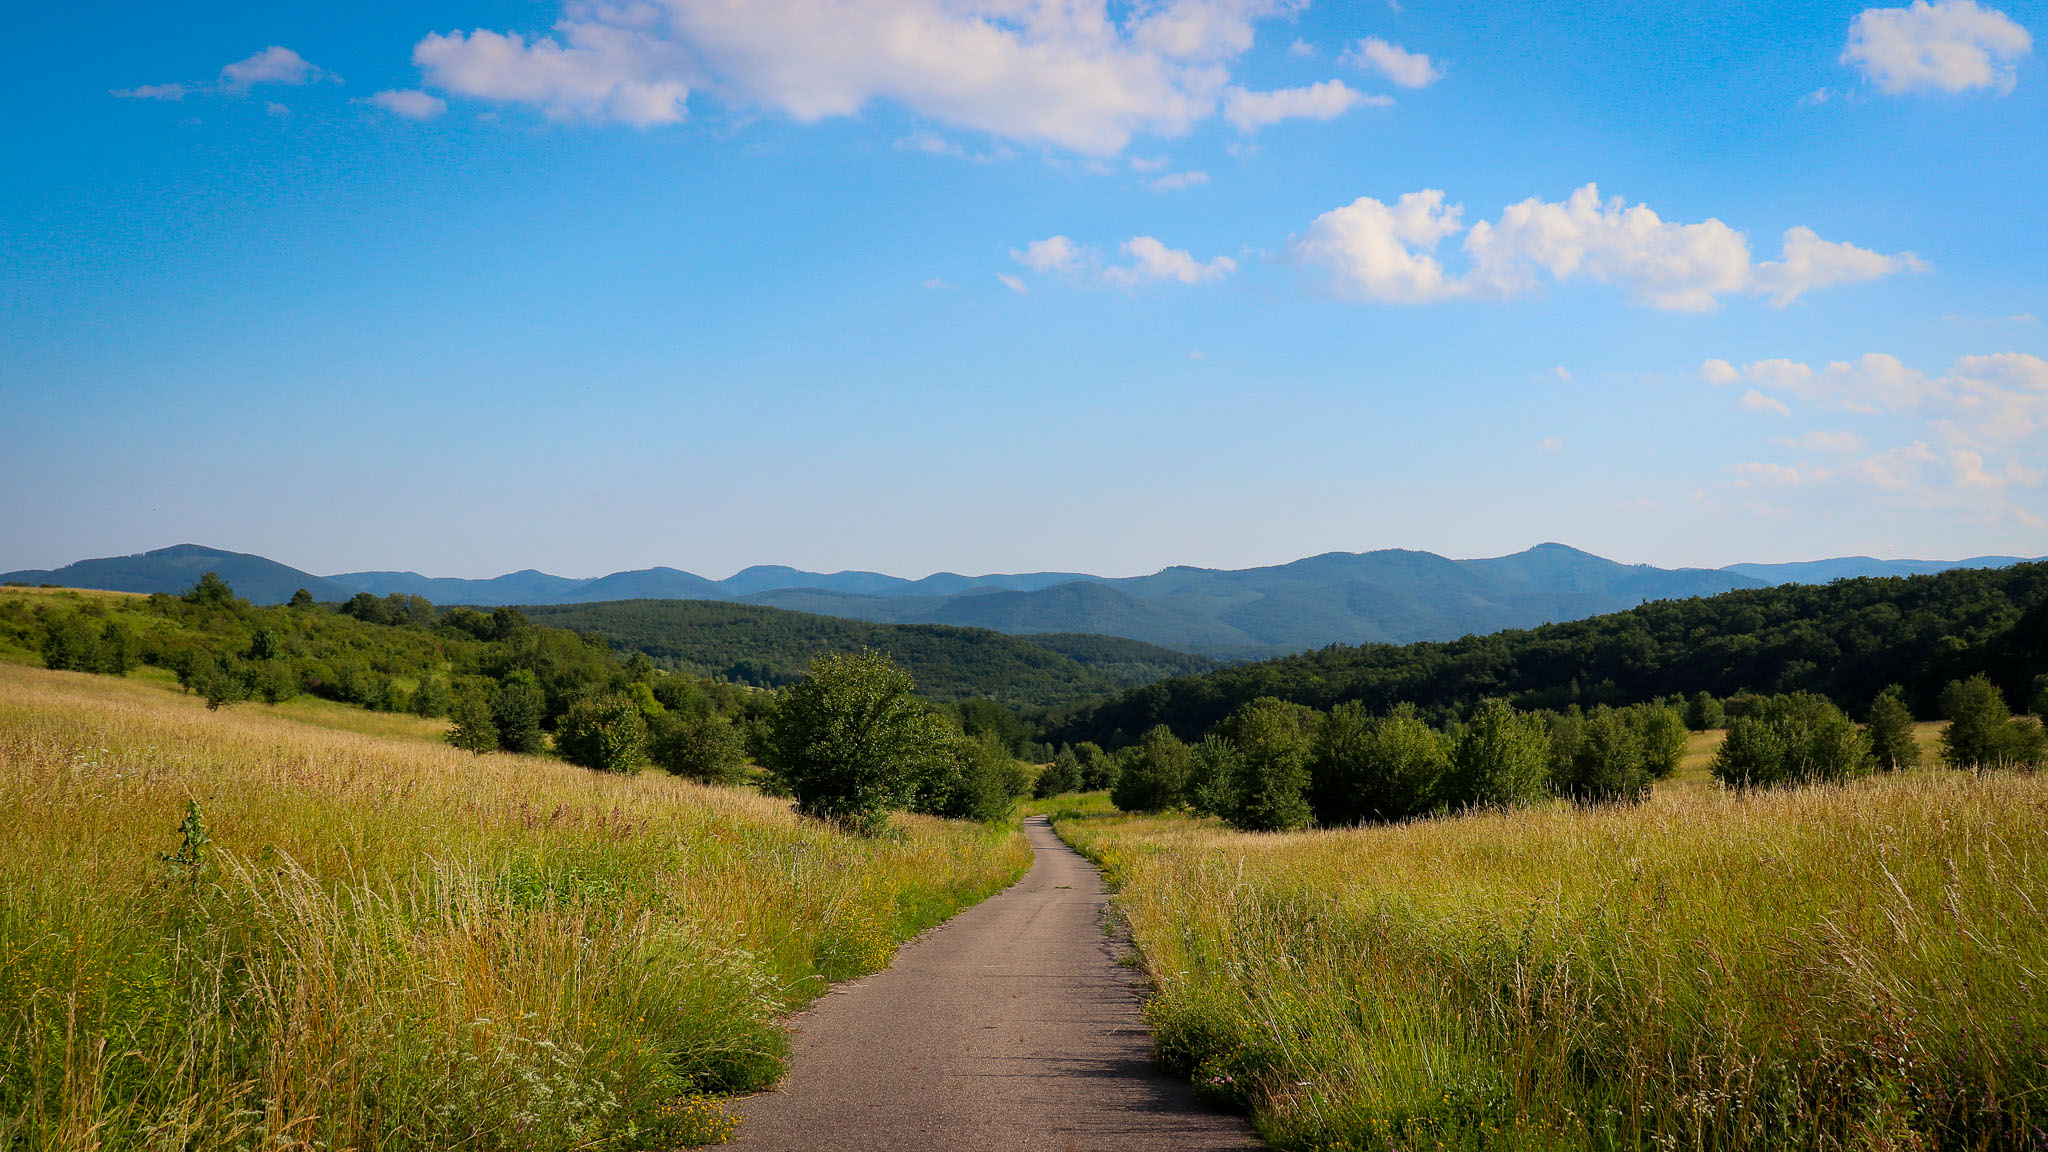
x=1981, y=732
x=473, y=729
x=978, y=780
x=1098, y=768
x=1799, y=738
x=517, y=708
x=1061, y=776
x=1500, y=759
x=1611, y=762
x=1365, y=768
x=1893, y=747
x=603, y=732
x=1703, y=712
x=1263, y=786
x=1155, y=777
x=702, y=746
x=849, y=741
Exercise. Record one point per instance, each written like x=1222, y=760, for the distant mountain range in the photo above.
x=1391, y=596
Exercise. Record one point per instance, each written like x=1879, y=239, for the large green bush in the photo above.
x=1798, y=738
x=850, y=742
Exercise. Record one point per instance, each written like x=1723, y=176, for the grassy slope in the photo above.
x=392, y=944
x=1823, y=968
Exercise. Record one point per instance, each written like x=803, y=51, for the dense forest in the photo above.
x=771, y=647
x=1844, y=641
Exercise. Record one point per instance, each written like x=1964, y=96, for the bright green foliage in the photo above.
x=1155, y=776
x=1611, y=763
x=701, y=745
x=1798, y=738
x=1981, y=732
x=77, y=644
x=212, y=592
x=1893, y=746
x=850, y=742
x=432, y=697
x=300, y=599
x=1703, y=712
x=1098, y=768
x=1264, y=784
x=1061, y=776
x=1499, y=759
x=1663, y=734
x=1364, y=768
x=603, y=732
x=976, y=779
x=473, y=729
x=517, y=708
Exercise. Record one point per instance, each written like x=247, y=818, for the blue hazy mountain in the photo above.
x=1390, y=596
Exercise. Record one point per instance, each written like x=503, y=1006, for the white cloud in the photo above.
x=1053, y=254
x=1408, y=69
x=1946, y=46
x=1174, y=181
x=1755, y=401
x=602, y=72
x=1324, y=100
x=1302, y=49
x=152, y=92
x=273, y=108
x=1371, y=251
x=1150, y=163
x=1012, y=282
x=410, y=103
x=1981, y=426
x=1154, y=262
x=1058, y=72
x=273, y=65
x=1375, y=252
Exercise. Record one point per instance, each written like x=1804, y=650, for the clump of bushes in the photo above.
x=1797, y=738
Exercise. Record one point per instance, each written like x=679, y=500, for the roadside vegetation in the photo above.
x=224, y=928
x=1817, y=967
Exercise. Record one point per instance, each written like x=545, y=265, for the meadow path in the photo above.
x=1009, y=1027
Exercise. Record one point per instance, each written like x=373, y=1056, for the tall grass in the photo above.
x=391, y=944
x=1854, y=967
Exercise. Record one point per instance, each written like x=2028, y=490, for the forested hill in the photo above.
x=1845, y=640
x=750, y=644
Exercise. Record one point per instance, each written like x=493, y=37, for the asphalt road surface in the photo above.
x=1010, y=1027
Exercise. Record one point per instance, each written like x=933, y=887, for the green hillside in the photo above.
x=1845, y=640
x=752, y=644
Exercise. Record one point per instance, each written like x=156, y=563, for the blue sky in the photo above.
x=998, y=285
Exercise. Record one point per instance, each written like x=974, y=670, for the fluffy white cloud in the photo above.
x=1175, y=181
x=1061, y=72
x=1324, y=100
x=1946, y=46
x=1755, y=401
x=1052, y=254
x=1372, y=251
x=410, y=103
x=1980, y=427
x=1153, y=262
x=1381, y=253
x=152, y=92
x=596, y=71
x=1408, y=69
x=273, y=65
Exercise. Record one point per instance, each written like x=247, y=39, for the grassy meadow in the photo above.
x=1862, y=967
x=371, y=940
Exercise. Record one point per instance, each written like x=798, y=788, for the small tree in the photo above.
x=1703, y=712
x=473, y=729
x=1155, y=777
x=849, y=741
x=211, y=592
x=1610, y=764
x=517, y=708
x=1265, y=787
x=1061, y=776
x=1798, y=738
x=432, y=699
x=1981, y=732
x=979, y=780
x=702, y=746
x=1893, y=747
x=1500, y=759
x=1375, y=769
x=1662, y=732
x=1098, y=768
x=603, y=732
x=300, y=599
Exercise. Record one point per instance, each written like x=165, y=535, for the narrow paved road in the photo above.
x=1010, y=1027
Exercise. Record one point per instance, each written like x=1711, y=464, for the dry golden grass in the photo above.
x=388, y=943
x=1849, y=967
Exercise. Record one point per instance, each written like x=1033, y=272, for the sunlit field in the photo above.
x=368, y=941
x=1849, y=967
